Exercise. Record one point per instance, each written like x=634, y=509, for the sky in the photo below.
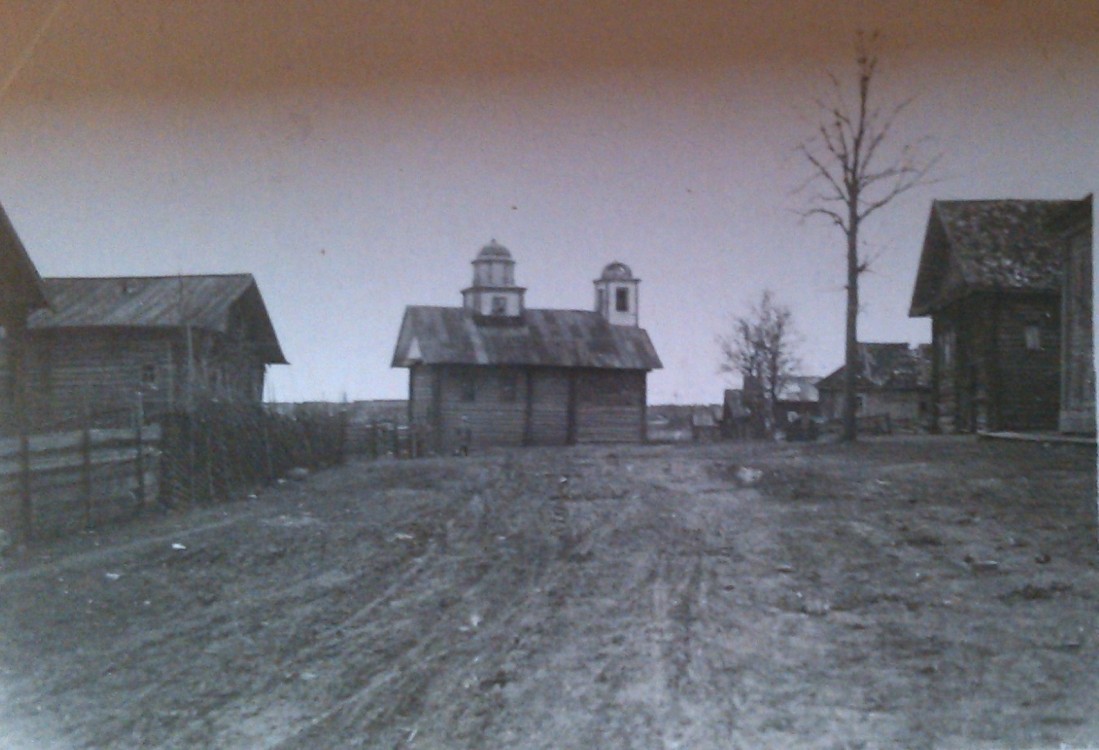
x=355, y=156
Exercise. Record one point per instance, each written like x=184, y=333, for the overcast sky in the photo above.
x=355, y=156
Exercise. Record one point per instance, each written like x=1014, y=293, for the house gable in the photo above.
x=21, y=288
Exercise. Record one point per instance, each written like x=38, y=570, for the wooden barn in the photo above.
x=893, y=382
x=990, y=278
x=493, y=372
x=21, y=293
x=173, y=339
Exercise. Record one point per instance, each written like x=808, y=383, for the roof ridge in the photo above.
x=152, y=277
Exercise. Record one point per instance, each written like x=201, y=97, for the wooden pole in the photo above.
x=139, y=462
x=18, y=340
x=26, y=507
x=86, y=464
x=265, y=431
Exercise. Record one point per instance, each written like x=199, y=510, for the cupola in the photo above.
x=616, y=295
x=493, y=294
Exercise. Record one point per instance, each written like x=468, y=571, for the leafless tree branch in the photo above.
x=847, y=156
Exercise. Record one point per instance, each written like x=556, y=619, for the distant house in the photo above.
x=797, y=397
x=990, y=277
x=893, y=381
x=1077, y=322
x=493, y=372
x=705, y=423
x=174, y=339
x=21, y=293
x=736, y=417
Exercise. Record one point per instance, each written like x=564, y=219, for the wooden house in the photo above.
x=176, y=340
x=990, y=278
x=736, y=417
x=798, y=397
x=1077, y=324
x=493, y=372
x=706, y=423
x=21, y=293
x=893, y=383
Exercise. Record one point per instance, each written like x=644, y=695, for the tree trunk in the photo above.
x=851, y=344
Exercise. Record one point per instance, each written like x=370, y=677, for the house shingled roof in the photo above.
x=884, y=367
x=200, y=301
x=547, y=338
x=989, y=245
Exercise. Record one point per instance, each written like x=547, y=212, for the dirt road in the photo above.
x=916, y=593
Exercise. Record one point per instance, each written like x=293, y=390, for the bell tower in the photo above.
x=493, y=294
x=616, y=296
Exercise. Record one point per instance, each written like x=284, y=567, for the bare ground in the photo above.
x=910, y=592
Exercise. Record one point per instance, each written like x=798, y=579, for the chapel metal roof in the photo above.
x=549, y=338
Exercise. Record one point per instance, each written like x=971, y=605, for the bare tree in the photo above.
x=760, y=348
x=856, y=171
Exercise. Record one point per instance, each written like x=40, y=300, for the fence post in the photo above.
x=86, y=466
x=396, y=442
x=139, y=418
x=208, y=458
x=26, y=507
x=266, y=432
x=341, y=451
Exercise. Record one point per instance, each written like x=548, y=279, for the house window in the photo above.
x=499, y=305
x=622, y=299
x=509, y=387
x=148, y=376
x=1033, y=336
x=467, y=388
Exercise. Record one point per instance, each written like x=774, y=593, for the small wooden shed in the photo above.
x=493, y=372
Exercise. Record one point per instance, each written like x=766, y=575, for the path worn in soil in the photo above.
x=918, y=593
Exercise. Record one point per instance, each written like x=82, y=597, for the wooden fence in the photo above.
x=55, y=483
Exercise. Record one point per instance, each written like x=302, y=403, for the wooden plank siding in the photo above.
x=486, y=401
x=97, y=372
x=1078, y=357
x=513, y=406
x=985, y=376
x=549, y=406
x=610, y=406
x=100, y=370
x=1030, y=394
